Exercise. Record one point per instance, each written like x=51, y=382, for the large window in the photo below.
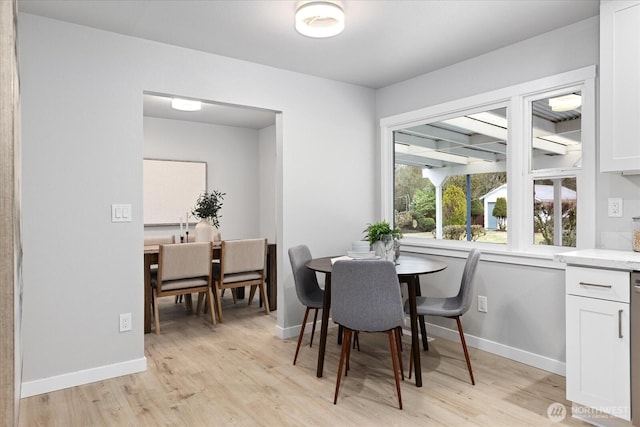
x=514, y=167
x=462, y=162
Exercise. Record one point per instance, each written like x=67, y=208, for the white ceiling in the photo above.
x=384, y=42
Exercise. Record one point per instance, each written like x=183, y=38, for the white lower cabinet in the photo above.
x=598, y=342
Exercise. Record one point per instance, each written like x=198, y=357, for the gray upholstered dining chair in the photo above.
x=453, y=307
x=183, y=269
x=309, y=292
x=365, y=297
x=242, y=263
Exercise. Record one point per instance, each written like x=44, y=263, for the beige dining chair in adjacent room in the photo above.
x=184, y=269
x=159, y=240
x=163, y=240
x=365, y=297
x=242, y=263
x=309, y=292
x=452, y=307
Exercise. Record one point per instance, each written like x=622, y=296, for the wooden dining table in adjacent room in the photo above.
x=409, y=269
x=151, y=257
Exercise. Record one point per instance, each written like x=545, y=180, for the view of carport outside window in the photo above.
x=450, y=176
x=445, y=173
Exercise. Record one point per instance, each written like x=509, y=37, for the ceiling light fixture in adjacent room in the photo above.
x=319, y=19
x=565, y=103
x=185, y=104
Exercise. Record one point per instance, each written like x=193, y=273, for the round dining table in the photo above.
x=409, y=269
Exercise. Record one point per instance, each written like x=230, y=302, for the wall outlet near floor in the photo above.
x=482, y=304
x=614, y=207
x=125, y=322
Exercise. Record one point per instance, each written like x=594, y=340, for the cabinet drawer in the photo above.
x=611, y=285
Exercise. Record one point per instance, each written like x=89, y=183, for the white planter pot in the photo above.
x=204, y=231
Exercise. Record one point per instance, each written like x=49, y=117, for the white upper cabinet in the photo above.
x=620, y=86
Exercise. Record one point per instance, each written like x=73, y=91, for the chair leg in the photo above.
x=263, y=290
x=188, y=302
x=219, y=301
x=155, y=313
x=252, y=293
x=394, y=354
x=234, y=295
x=349, y=339
x=343, y=354
x=397, y=333
x=304, y=322
x=201, y=297
x=209, y=299
x=313, y=327
x=464, y=347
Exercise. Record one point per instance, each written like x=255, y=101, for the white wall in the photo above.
x=267, y=159
x=565, y=49
x=526, y=304
x=82, y=131
x=615, y=233
x=233, y=162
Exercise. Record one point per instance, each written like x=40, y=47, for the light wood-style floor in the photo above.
x=239, y=374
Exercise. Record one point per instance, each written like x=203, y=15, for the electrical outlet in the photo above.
x=125, y=322
x=614, y=207
x=482, y=304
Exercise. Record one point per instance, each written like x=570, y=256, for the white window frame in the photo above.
x=518, y=99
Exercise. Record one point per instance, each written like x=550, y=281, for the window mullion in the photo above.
x=517, y=175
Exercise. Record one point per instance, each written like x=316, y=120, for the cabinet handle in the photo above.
x=636, y=288
x=619, y=323
x=595, y=285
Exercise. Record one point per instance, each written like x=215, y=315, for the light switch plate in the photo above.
x=121, y=213
x=614, y=207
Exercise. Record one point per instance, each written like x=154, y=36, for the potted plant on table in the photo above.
x=207, y=208
x=382, y=237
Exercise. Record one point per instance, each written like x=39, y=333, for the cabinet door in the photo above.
x=598, y=355
x=620, y=86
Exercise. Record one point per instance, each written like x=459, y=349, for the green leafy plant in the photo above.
x=374, y=232
x=208, y=205
x=500, y=212
x=454, y=206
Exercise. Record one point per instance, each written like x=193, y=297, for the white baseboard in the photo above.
x=522, y=356
x=59, y=382
x=293, y=331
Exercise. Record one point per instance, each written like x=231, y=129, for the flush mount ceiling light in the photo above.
x=319, y=19
x=185, y=104
x=565, y=103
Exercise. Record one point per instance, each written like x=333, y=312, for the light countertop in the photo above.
x=604, y=258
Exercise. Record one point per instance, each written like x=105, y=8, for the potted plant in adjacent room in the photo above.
x=382, y=238
x=207, y=208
